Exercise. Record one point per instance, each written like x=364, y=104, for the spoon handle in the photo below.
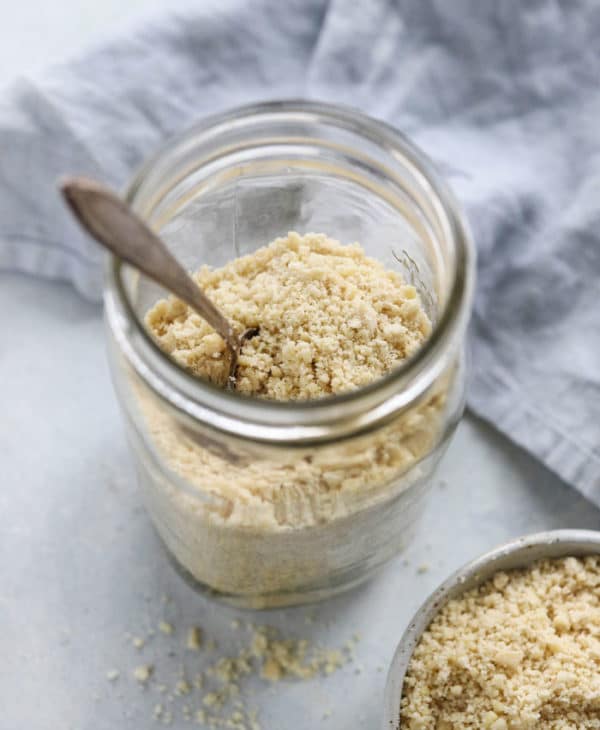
x=113, y=224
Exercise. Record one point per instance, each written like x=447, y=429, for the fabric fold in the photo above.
x=503, y=96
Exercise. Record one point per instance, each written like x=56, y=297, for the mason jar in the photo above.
x=266, y=503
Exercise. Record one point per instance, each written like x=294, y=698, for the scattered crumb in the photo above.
x=423, y=568
x=235, y=624
x=112, y=675
x=182, y=687
x=221, y=688
x=165, y=627
x=290, y=657
x=210, y=699
x=271, y=670
x=138, y=642
x=143, y=672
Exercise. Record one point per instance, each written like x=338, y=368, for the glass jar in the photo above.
x=277, y=503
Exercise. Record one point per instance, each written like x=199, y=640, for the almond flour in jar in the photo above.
x=331, y=320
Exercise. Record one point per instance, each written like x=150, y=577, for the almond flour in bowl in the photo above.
x=511, y=641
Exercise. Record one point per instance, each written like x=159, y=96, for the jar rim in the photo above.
x=298, y=423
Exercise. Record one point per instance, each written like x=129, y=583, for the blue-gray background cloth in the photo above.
x=504, y=96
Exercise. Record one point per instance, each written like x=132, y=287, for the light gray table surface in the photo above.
x=80, y=564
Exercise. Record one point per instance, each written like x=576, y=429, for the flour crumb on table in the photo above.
x=194, y=638
x=143, y=673
x=165, y=627
x=218, y=693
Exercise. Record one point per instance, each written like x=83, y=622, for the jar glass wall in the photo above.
x=270, y=503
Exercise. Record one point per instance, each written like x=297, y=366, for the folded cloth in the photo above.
x=504, y=96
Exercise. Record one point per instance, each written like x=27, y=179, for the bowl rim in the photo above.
x=517, y=553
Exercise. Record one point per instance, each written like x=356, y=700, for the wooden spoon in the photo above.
x=113, y=224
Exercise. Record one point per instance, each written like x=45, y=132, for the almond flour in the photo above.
x=520, y=652
x=143, y=673
x=331, y=319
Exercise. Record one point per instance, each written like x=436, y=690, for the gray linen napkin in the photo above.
x=504, y=96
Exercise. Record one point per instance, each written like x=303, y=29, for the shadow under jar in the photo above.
x=269, y=503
